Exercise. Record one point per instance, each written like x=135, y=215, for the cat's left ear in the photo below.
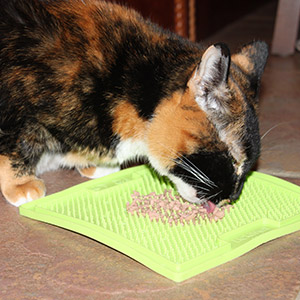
x=208, y=82
x=251, y=61
x=252, y=58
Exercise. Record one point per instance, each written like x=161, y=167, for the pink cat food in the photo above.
x=172, y=209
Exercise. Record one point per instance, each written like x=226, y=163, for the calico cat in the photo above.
x=91, y=85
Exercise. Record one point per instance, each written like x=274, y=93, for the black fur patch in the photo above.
x=217, y=166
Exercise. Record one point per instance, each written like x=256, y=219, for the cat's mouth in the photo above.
x=210, y=206
x=190, y=194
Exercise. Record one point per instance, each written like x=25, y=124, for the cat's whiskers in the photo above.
x=269, y=130
x=199, y=172
x=196, y=181
x=196, y=173
x=214, y=195
x=184, y=165
x=187, y=165
x=265, y=147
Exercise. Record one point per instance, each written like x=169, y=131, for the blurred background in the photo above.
x=40, y=261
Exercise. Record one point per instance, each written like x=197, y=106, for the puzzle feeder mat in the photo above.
x=268, y=208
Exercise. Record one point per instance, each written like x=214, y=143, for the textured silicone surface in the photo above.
x=268, y=208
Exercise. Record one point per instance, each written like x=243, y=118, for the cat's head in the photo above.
x=206, y=138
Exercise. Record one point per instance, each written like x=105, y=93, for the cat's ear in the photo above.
x=251, y=61
x=252, y=58
x=208, y=82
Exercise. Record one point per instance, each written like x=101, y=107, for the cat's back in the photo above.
x=38, y=13
x=90, y=47
x=63, y=34
x=72, y=20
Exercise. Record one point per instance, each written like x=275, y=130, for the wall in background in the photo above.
x=211, y=15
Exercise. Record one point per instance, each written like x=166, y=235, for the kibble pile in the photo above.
x=170, y=209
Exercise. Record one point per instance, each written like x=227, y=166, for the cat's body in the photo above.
x=91, y=85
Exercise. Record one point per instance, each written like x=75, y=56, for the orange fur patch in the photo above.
x=179, y=127
x=127, y=123
x=243, y=62
x=237, y=106
x=87, y=172
x=74, y=159
x=68, y=71
x=14, y=188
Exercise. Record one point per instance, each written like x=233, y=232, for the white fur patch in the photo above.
x=157, y=166
x=21, y=201
x=49, y=162
x=186, y=191
x=52, y=162
x=213, y=102
x=24, y=200
x=103, y=171
x=131, y=149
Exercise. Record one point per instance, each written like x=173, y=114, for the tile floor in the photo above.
x=39, y=261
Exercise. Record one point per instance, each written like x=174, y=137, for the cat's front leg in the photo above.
x=97, y=172
x=16, y=189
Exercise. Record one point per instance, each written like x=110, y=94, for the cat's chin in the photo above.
x=186, y=191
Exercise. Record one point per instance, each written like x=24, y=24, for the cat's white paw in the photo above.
x=103, y=171
x=97, y=172
x=22, y=200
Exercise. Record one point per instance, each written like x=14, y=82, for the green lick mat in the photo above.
x=268, y=208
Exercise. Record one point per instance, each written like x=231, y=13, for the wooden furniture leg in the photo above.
x=185, y=18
